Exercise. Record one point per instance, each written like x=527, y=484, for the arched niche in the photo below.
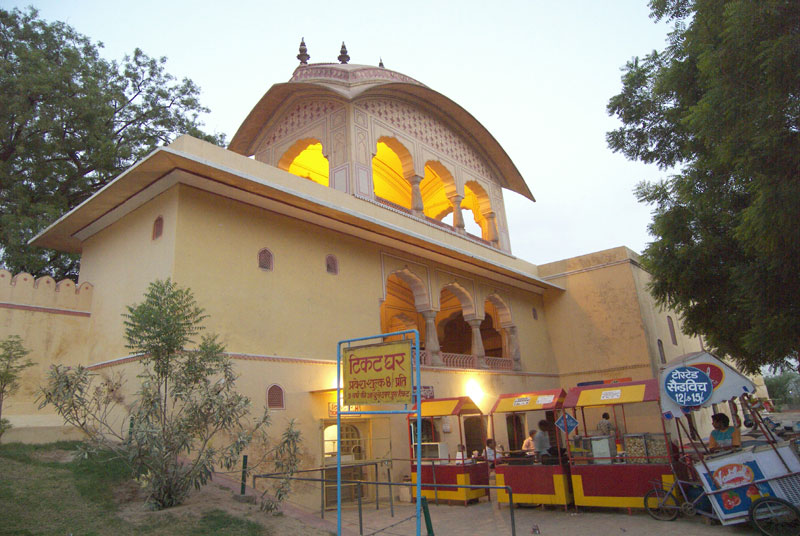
x=305, y=158
x=392, y=165
x=437, y=186
x=476, y=200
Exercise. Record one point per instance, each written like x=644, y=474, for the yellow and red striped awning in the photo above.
x=530, y=401
x=612, y=393
x=439, y=407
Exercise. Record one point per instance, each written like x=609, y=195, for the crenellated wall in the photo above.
x=52, y=319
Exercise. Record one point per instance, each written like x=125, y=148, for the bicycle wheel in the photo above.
x=775, y=517
x=661, y=505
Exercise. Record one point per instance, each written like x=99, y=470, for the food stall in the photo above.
x=439, y=468
x=532, y=482
x=600, y=475
x=738, y=479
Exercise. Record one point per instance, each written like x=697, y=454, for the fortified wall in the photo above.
x=52, y=319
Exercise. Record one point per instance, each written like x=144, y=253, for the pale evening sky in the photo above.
x=537, y=74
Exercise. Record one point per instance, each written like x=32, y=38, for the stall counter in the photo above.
x=534, y=484
x=471, y=474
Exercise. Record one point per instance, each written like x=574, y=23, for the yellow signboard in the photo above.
x=377, y=374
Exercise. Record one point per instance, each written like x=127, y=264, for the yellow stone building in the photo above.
x=352, y=201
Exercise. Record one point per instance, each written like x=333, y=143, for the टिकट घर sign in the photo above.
x=377, y=373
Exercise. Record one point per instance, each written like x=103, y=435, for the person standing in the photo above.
x=541, y=441
x=605, y=426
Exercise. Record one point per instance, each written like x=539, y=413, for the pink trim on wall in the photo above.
x=38, y=309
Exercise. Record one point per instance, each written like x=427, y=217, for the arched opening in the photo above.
x=455, y=335
x=305, y=159
x=398, y=310
x=353, y=449
x=275, y=397
x=474, y=434
x=158, y=227
x=434, y=188
x=390, y=167
x=265, y=260
x=491, y=337
x=476, y=201
x=515, y=430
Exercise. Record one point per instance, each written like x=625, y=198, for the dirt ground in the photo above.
x=211, y=497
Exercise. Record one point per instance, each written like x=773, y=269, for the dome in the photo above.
x=348, y=83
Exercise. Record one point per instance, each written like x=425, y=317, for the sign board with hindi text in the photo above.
x=377, y=373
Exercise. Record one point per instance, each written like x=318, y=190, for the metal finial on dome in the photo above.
x=303, y=56
x=343, y=57
x=380, y=63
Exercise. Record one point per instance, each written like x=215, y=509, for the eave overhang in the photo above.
x=217, y=170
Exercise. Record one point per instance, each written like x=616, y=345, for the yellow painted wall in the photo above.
x=51, y=320
x=596, y=326
x=121, y=261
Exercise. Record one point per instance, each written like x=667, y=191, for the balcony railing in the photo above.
x=468, y=361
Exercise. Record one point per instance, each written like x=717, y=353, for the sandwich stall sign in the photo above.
x=699, y=379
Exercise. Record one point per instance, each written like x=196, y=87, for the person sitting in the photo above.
x=605, y=426
x=541, y=441
x=724, y=436
x=490, y=452
x=527, y=445
x=461, y=456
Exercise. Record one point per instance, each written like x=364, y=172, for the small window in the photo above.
x=158, y=227
x=672, y=331
x=265, y=259
x=661, y=351
x=275, y=397
x=331, y=264
x=535, y=314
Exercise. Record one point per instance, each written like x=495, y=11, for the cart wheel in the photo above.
x=775, y=517
x=661, y=505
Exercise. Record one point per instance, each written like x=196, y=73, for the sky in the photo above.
x=537, y=74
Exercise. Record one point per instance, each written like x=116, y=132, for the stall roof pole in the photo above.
x=583, y=419
x=625, y=419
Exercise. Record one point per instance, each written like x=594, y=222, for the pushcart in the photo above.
x=757, y=483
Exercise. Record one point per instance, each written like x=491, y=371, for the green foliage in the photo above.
x=71, y=121
x=784, y=389
x=39, y=495
x=721, y=105
x=187, y=417
x=12, y=363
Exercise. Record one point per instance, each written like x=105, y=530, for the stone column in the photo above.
x=491, y=225
x=432, y=338
x=477, y=342
x=513, y=347
x=416, y=196
x=458, y=216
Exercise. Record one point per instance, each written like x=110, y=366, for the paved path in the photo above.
x=486, y=519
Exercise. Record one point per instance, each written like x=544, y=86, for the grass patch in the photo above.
x=40, y=496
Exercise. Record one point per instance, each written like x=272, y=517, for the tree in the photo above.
x=12, y=363
x=71, y=121
x=720, y=107
x=784, y=389
x=187, y=416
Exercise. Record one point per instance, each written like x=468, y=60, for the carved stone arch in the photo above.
x=422, y=301
x=503, y=310
x=295, y=149
x=484, y=202
x=444, y=173
x=402, y=152
x=464, y=298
